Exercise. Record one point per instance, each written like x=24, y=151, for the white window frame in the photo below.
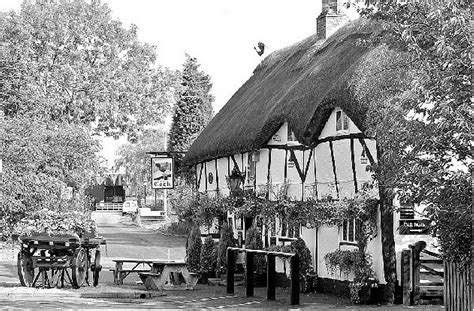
x=342, y=122
x=345, y=231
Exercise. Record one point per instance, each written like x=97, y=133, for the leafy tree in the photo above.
x=70, y=61
x=416, y=83
x=134, y=157
x=193, y=109
x=68, y=70
x=40, y=160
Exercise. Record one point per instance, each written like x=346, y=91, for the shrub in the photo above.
x=299, y=247
x=180, y=228
x=193, y=250
x=226, y=240
x=208, y=256
x=253, y=240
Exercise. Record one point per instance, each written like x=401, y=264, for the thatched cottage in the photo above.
x=296, y=121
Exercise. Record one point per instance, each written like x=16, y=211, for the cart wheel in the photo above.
x=96, y=268
x=26, y=270
x=79, y=267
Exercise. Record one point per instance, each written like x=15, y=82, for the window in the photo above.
x=342, y=121
x=348, y=231
x=291, y=136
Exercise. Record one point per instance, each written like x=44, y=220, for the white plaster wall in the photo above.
x=330, y=128
x=328, y=237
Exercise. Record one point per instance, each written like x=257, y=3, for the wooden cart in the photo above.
x=59, y=259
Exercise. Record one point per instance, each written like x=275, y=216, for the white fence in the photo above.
x=108, y=206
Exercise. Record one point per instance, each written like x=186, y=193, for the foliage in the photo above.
x=208, y=261
x=70, y=218
x=451, y=220
x=198, y=208
x=226, y=240
x=179, y=228
x=341, y=260
x=134, y=158
x=40, y=161
x=299, y=247
x=193, y=250
x=253, y=240
x=70, y=61
x=356, y=262
x=193, y=109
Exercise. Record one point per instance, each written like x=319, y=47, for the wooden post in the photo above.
x=405, y=272
x=230, y=271
x=249, y=273
x=295, y=281
x=271, y=277
x=415, y=270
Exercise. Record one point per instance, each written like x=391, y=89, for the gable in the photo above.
x=338, y=124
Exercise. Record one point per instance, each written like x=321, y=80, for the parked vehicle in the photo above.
x=130, y=207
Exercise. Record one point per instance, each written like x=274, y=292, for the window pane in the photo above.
x=346, y=123
x=351, y=230
x=344, y=230
x=338, y=120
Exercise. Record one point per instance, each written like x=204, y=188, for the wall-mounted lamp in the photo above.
x=235, y=180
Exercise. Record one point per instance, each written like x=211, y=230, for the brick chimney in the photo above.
x=330, y=19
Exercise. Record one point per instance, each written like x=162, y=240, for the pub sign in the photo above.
x=162, y=173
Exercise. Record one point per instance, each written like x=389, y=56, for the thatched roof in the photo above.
x=300, y=84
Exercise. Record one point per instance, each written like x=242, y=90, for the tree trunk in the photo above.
x=386, y=224
x=388, y=247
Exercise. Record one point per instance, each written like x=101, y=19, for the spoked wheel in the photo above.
x=95, y=268
x=79, y=267
x=26, y=270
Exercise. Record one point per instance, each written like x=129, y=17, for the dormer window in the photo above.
x=342, y=121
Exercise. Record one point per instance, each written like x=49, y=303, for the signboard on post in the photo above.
x=162, y=173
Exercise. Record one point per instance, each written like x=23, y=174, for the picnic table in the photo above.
x=157, y=274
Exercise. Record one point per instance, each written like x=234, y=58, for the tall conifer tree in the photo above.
x=193, y=109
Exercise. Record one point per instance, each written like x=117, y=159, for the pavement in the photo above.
x=125, y=239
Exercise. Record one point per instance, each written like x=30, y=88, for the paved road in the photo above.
x=126, y=240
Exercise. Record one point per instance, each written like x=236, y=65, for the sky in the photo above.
x=221, y=34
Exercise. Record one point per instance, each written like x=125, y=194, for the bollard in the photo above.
x=249, y=274
x=230, y=271
x=271, y=277
x=295, y=280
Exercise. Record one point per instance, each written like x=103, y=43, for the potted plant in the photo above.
x=208, y=260
x=226, y=240
x=193, y=250
x=363, y=289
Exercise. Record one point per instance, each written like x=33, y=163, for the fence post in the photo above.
x=249, y=273
x=415, y=270
x=230, y=270
x=295, y=280
x=271, y=277
x=405, y=272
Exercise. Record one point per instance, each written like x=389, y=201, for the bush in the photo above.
x=253, y=240
x=208, y=256
x=299, y=247
x=193, y=250
x=180, y=228
x=226, y=240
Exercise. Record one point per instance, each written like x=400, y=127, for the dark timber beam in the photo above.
x=354, y=175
